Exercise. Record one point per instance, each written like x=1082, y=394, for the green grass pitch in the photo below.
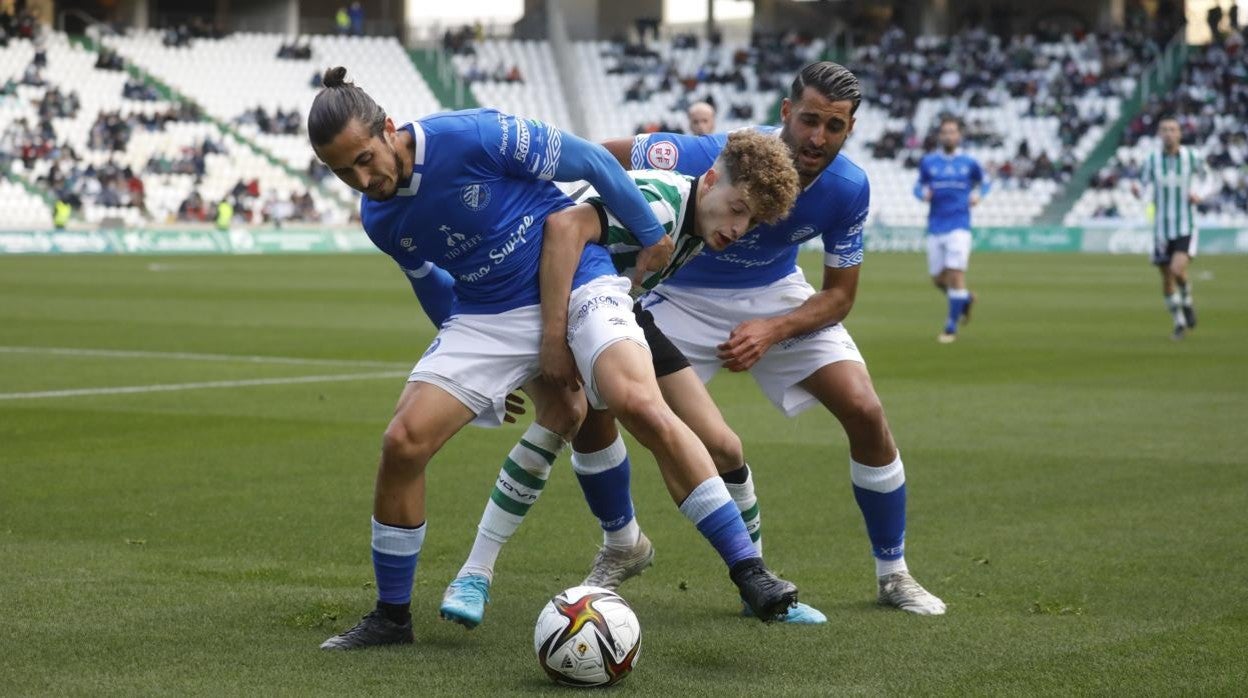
x=1077, y=493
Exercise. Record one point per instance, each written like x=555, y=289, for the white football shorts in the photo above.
x=698, y=320
x=479, y=359
x=950, y=250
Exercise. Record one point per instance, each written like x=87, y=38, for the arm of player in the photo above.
x=923, y=187
x=978, y=178
x=831, y=304
x=435, y=289
x=1201, y=185
x=752, y=338
x=1146, y=176
x=599, y=167
x=622, y=150
x=594, y=164
x=531, y=149
x=564, y=237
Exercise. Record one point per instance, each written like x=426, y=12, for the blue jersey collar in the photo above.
x=410, y=187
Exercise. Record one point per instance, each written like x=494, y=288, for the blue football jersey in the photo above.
x=951, y=179
x=833, y=207
x=479, y=193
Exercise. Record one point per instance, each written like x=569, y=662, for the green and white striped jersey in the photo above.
x=671, y=196
x=1172, y=177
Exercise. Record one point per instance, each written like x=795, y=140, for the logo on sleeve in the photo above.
x=522, y=140
x=554, y=143
x=475, y=197
x=806, y=231
x=663, y=155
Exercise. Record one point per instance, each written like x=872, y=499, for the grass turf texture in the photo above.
x=1076, y=494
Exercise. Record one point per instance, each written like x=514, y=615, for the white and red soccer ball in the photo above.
x=587, y=636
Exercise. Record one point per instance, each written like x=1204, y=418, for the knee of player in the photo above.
x=725, y=449
x=563, y=417
x=865, y=409
x=402, y=446
x=644, y=407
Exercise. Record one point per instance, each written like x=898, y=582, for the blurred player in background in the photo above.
x=1175, y=172
x=953, y=182
x=750, y=308
x=701, y=118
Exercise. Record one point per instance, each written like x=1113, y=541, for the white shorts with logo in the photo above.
x=950, y=250
x=479, y=359
x=698, y=320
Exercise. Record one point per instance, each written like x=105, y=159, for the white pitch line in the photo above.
x=186, y=356
x=171, y=387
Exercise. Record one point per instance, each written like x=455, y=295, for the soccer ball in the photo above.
x=587, y=636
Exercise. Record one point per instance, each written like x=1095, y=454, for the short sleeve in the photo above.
x=842, y=243
x=525, y=148
x=687, y=155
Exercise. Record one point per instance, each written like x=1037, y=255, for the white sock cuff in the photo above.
x=392, y=540
x=544, y=439
x=745, y=489
x=705, y=498
x=883, y=568
x=600, y=461
x=742, y=493
x=959, y=293
x=883, y=480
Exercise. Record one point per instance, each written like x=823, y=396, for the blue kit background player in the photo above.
x=469, y=192
x=954, y=183
x=751, y=308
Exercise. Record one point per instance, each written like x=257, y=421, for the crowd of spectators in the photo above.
x=181, y=34
x=250, y=206
x=976, y=69
x=279, y=122
x=108, y=59
x=297, y=50
x=460, y=41
x=190, y=160
x=499, y=73
x=16, y=24
x=51, y=162
x=767, y=65
x=31, y=143
x=138, y=90
x=107, y=185
x=112, y=130
x=982, y=69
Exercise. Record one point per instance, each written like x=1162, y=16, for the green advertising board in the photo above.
x=1124, y=240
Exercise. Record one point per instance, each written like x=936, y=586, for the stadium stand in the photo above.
x=79, y=122
x=104, y=151
x=649, y=87
x=536, y=93
x=1212, y=107
x=20, y=208
x=207, y=71
x=1033, y=107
